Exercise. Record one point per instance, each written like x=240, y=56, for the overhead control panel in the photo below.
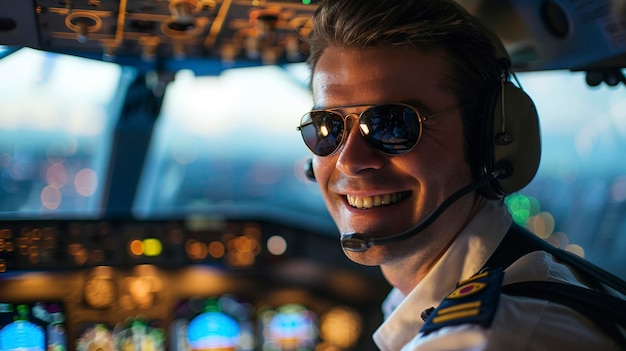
x=231, y=30
x=538, y=34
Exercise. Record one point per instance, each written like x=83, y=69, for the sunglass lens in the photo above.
x=393, y=129
x=322, y=131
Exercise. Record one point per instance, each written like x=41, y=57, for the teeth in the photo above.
x=375, y=201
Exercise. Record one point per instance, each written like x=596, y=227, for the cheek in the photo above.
x=440, y=161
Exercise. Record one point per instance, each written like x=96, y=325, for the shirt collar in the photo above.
x=464, y=258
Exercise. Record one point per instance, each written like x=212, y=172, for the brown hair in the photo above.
x=424, y=24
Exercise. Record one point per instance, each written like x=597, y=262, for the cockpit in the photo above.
x=153, y=193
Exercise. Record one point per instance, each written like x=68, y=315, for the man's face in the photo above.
x=419, y=180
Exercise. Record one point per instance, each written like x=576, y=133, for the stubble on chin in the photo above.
x=423, y=248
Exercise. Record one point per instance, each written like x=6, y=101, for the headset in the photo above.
x=504, y=153
x=509, y=138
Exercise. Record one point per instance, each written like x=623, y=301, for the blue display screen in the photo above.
x=32, y=326
x=217, y=323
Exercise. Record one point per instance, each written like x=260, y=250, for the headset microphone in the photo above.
x=357, y=242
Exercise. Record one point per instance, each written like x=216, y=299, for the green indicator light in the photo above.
x=519, y=207
x=306, y=2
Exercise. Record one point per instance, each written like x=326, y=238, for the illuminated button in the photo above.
x=277, y=245
x=152, y=247
x=136, y=247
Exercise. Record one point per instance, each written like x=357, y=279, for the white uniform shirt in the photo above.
x=520, y=323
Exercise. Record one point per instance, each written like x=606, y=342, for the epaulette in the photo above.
x=474, y=301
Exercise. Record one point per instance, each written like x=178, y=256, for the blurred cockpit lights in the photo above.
x=149, y=247
x=519, y=207
x=542, y=224
x=152, y=247
x=86, y=182
x=276, y=245
x=213, y=331
x=559, y=239
x=79, y=253
x=135, y=247
x=216, y=249
x=51, y=197
x=56, y=175
x=142, y=290
x=341, y=326
x=241, y=252
x=196, y=250
x=526, y=211
x=290, y=327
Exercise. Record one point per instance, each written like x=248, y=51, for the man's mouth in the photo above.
x=366, y=202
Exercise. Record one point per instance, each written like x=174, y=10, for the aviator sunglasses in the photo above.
x=393, y=129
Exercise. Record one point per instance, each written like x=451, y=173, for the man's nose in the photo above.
x=356, y=154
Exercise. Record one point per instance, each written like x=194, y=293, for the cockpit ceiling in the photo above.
x=230, y=30
x=538, y=34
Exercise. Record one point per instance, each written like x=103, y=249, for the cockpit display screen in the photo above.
x=37, y=326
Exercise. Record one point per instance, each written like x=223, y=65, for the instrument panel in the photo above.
x=229, y=30
x=182, y=285
x=168, y=35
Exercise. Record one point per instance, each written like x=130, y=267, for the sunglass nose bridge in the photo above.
x=349, y=120
x=349, y=115
x=363, y=128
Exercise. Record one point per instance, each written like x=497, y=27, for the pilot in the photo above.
x=417, y=135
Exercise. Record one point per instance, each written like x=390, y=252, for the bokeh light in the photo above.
x=216, y=249
x=542, y=224
x=135, y=247
x=276, y=245
x=522, y=207
x=51, y=197
x=86, y=182
x=152, y=247
x=341, y=326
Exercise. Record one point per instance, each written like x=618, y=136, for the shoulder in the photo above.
x=519, y=324
x=480, y=316
x=540, y=266
x=474, y=301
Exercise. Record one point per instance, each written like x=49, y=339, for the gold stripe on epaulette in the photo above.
x=463, y=306
x=456, y=315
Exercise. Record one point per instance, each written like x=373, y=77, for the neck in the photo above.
x=407, y=273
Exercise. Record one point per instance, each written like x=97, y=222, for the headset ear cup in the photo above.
x=308, y=170
x=511, y=140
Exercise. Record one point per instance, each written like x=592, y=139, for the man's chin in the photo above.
x=371, y=257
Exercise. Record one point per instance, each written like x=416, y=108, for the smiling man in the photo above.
x=401, y=128
x=369, y=191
